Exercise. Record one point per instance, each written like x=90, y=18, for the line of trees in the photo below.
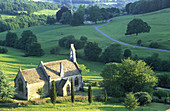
x=27, y=42
x=22, y=21
x=13, y=7
x=145, y=6
x=93, y=13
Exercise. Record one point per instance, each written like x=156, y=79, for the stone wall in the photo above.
x=33, y=88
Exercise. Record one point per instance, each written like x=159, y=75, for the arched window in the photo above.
x=76, y=81
x=20, y=85
x=68, y=89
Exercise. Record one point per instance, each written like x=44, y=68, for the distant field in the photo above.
x=5, y=16
x=46, y=12
x=159, y=22
x=85, y=106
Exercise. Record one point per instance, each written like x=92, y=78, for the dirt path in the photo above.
x=108, y=21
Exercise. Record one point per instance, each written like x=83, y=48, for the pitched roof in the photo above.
x=53, y=68
x=33, y=75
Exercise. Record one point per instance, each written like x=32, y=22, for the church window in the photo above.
x=76, y=81
x=20, y=85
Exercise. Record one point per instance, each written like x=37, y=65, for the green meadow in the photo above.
x=48, y=36
x=46, y=12
x=5, y=16
x=85, y=106
x=159, y=22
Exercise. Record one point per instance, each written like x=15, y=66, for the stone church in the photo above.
x=27, y=82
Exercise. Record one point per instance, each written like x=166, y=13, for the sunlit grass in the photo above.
x=46, y=12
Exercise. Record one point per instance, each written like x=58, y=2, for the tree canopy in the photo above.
x=112, y=53
x=128, y=76
x=137, y=26
x=92, y=51
x=6, y=90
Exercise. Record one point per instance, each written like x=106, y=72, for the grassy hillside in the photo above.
x=159, y=22
x=48, y=36
x=46, y=12
x=5, y=16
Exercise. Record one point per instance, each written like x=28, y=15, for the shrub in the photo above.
x=161, y=93
x=143, y=98
x=154, y=45
x=163, y=80
x=54, y=50
x=139, y=42
x=3, y=50
x=127, y=53
x=66, y=41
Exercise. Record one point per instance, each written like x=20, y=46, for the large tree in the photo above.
x=94, y=14
x=35, y=50
x=66, y=18
x=112, y=53
x=61, y=11
x=11, y=39
x=92, y=51
x=27, y=39
x=6, y=90
x=137, y=26
x=128, y=76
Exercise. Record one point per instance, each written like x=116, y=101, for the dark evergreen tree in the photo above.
x=105, y=96
x=72, y=91
x=53, y=94
x=90, y=95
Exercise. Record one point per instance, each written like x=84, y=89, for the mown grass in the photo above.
x=158, y=21
x=85, y=106
x=46, y=12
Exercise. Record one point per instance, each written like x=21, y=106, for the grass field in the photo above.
x=46, y=12
x=158, y=21
x=48, y=36
x=85, y=106
x=5, y=16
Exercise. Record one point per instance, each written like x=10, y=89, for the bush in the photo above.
x=144, y=98
x=154, y=45
x=55, y=50
x=163, y=80
x=3, y=50
x=127, y=53
x=139, y=42
x=66, y=41
x=161, y=93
